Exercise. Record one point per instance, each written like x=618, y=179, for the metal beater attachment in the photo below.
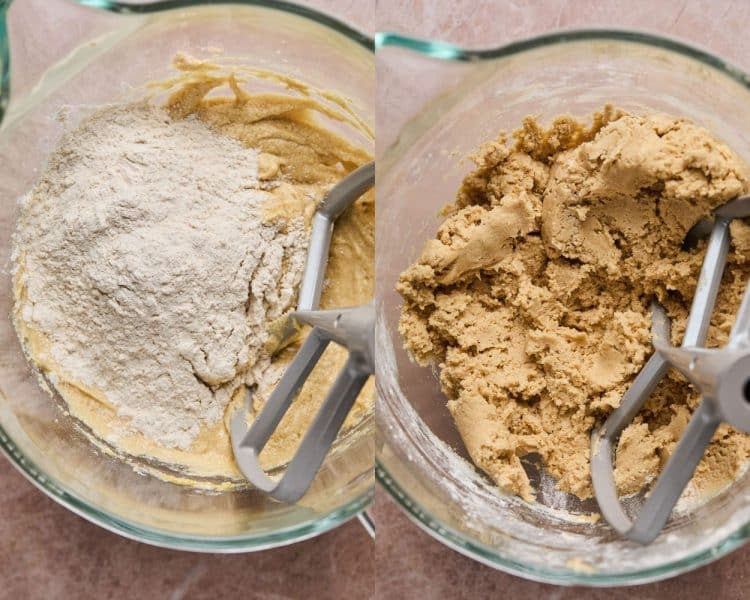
x=721, y=375
x=350, y=327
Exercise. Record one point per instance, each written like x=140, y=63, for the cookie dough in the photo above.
x=304, y=157
x=534, y=295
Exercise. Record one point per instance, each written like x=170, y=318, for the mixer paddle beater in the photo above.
x=349, y=327
x=721, y=375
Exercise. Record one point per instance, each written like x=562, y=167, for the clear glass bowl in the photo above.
x=453, y=100
x=108, y=53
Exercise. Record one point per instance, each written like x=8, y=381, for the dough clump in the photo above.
x=534, y=297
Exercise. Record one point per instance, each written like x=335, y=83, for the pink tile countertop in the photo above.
x=409, y=562
x=48, y=552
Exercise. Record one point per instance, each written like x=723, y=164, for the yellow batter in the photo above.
x=300, y=150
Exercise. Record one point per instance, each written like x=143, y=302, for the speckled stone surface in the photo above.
x=409, y=562
x=48, y=552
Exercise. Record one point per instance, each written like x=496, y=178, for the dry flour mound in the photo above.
x=148, y=268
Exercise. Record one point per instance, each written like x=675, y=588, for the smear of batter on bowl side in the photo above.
x=534, y=295
x=160, y=244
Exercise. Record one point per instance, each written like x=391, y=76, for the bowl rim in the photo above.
x=125, y=8
x=300, y=531
x=423, y=518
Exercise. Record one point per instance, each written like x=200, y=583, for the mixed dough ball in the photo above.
x=534, y=297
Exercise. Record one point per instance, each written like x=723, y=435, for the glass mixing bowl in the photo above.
x=109, y=53
x=453, y=100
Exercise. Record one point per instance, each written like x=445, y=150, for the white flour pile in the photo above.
x=149, y=270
